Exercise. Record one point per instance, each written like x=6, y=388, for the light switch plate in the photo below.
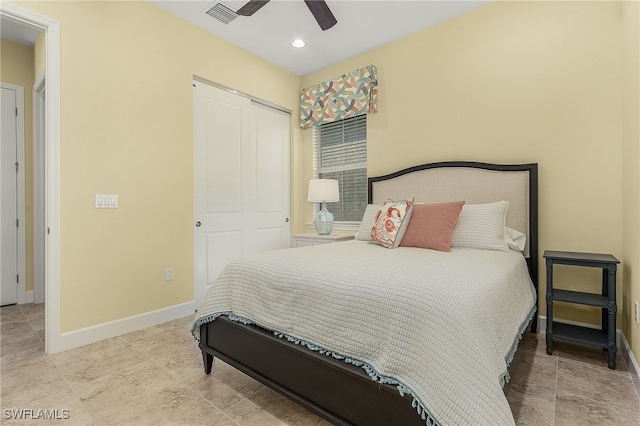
x=106, y=201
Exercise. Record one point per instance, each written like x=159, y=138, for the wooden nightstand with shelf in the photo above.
x=313, y=239
x=606, y=300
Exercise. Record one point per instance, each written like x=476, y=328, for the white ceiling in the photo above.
x=362, y=25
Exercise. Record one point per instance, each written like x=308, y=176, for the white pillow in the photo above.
x=364, y=231
x=481, y=226
x=515, y=239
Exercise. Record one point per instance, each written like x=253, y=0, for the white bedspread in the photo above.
x=443, y=326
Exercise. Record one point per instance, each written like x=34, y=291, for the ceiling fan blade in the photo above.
x=322, y=13
x=252, y=7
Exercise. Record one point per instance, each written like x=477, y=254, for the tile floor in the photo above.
x=155, y=376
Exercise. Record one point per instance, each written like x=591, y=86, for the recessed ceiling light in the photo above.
x=298, y=43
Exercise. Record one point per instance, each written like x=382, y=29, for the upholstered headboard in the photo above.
x=474, y=183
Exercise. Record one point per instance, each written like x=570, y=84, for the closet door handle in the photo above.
x=198, y=224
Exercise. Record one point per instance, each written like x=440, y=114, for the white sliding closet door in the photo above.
x=241, y=180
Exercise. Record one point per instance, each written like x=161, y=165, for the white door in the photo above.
x=241, y=180
x=9, y=199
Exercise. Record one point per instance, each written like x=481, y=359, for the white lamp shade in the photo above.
x=323, y=190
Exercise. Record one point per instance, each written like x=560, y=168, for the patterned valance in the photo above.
x=352, y=94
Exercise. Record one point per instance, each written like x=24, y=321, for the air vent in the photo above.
x=222, y=13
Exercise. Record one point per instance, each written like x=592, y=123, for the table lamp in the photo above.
x=323, y=191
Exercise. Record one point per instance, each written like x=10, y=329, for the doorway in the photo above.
x=18, y=15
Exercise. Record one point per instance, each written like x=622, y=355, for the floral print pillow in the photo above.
x=391, y=222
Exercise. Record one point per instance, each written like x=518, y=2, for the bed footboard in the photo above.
x=338, y=392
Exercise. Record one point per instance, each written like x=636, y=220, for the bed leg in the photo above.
x=208, y=362
x=534, y=323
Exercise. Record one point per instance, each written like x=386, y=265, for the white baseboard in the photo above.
x=632, y=364
x=542, y=323
x=28, y=297
x=107, y=330
x=542, y=326
x=621, y=342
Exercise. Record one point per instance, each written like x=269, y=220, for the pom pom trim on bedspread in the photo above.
x=403, y=390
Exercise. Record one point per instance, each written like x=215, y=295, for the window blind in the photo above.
x=340, y=152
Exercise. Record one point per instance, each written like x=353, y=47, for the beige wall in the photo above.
x=631, y=173
x=510, y=82
x=513, y=82
x=126, y=129
x=17, y=67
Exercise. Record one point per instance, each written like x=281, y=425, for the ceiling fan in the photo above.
x=318, y=8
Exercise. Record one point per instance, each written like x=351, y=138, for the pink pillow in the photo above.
x=431, y=225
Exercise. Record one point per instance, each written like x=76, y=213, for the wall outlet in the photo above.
x=635, y=312
x=168, y=274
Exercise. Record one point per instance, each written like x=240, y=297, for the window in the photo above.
x=340, y=152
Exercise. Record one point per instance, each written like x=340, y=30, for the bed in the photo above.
x=416, y=355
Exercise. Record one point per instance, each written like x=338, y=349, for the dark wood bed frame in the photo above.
x=338, y=392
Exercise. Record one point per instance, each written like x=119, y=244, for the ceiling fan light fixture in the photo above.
x=298, y=43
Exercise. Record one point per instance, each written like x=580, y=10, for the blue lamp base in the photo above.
x=324, y=221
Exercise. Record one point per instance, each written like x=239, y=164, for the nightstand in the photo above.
x=606, y=300
x=303, y=240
